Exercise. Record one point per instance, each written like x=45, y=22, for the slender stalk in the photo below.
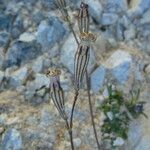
x=71, y=139
x=70, y=134
x=73, y=32
x=91, y=110
x=73, y=106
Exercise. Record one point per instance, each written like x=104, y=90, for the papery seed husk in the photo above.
x=83, y=18
x=81, y=62
x=57, y=95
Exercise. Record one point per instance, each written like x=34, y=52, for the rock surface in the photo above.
x=12, y=140
x=50, y=31
x=34, y=37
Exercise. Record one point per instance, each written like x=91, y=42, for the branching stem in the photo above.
x=91, y=110
x=70, y=134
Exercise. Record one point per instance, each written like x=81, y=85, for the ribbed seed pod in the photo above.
x=81, y=62
x=61, y=3
x=62, y=6
x=56, y=91
x=83, y=18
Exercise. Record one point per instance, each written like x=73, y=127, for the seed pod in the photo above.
x=56, y=91
x=83, y=18
x=80, y=64
x=61, y=3
x=62, y=6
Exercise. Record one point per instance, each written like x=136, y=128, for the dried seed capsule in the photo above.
x=62, y=6
x=61, y=3
x=56, y=91
x=80, y=64
x=83, y=18
x=88, y=37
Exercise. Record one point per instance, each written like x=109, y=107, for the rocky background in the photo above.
x=33, y=37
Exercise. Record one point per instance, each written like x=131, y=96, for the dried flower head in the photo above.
x=53, y=72
x=80, y=64
x=83, y=18
x=56, y=91
x=89, y=37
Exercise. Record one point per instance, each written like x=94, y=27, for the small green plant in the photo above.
x=119, y=112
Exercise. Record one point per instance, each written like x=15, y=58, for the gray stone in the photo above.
x=27, y=37
x=40, y=81
x=121, y=72
x=138, y=8
x=1, y=76
x=115, y=6
x=67, y=54
x=147, y=69
x=19, y=77
x=3, y=118
x=2, y=59
x=37, y=17
x=144, y=4
x=144, y=144
x=49, y=4
x=125, y=21
x=50, y=32
x=18, y=27
x=97, y=78
x=37, y=66
x=47, y=118
x=130, y=33
x=118, y=142
x=4, y=37
x=12, y=140
x=77, y=142
x=146, y=18
x=119, y=64
x=120, y=31
x=5, y=22
x=95, y=9
x=21, y=52
x=109, y=18
x=134, y=134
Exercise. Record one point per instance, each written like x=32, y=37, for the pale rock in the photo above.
x=130, y=33
x=37, y=65
x=138, y=7
x=115, y=6
x=118, y=142
x=1, y=76
x=147, y=69
x=117, y=58
x=95, y=9
x=77, y=142
x=97, y=78
x=146, y=18
x=27, y=37
x=1, y=59
x=119, y=65
x=40, y=81
x=12, y=140
x=109, y=18
x=18, y=77
x=110, y=115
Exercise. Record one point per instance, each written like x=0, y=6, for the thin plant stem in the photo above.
x=73, y=106
x=71, y=139
x=73, y=32
x=91, y=110
x=70, y=134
